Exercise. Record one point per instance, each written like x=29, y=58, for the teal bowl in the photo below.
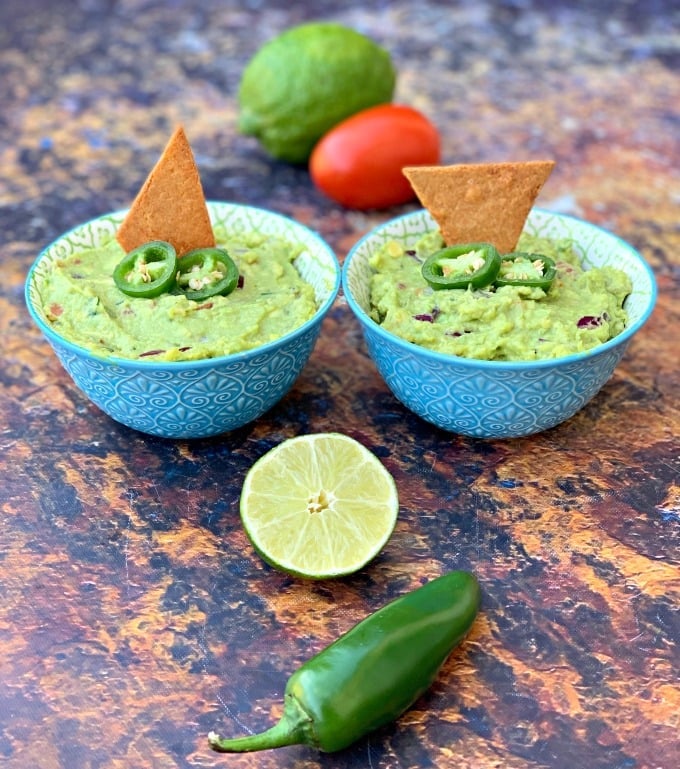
x=193, y=399
x=493, y=399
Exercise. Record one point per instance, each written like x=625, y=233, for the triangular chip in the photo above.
x=480, y=202
x=170, y=205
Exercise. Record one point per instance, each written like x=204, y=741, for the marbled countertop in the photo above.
x=135, y=617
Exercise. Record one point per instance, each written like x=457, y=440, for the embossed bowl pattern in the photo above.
x=194, y=399
x=493, y=399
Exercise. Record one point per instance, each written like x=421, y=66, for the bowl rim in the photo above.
x=493, y=365
x=200, y=363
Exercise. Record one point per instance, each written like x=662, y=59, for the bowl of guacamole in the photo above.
x=506, y=358
x=178, y=367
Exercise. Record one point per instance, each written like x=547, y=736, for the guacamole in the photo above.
x=83, y=304
x=580, y=310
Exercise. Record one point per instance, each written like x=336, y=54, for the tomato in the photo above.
x=358, y=163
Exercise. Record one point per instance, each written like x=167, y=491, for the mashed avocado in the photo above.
x=82, y=303
x=580, y=310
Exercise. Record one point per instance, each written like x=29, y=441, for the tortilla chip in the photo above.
x=170, y=205
x=480, y=202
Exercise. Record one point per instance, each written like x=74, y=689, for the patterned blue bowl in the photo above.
x=194, y=399
x=490, y=399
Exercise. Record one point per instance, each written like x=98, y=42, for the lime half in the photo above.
x=319, y=505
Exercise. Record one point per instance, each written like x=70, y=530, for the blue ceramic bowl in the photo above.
x=490, y=399
x=193, y=399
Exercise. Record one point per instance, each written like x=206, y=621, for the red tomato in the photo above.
x=358, y=163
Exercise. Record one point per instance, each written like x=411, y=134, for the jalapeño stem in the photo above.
x=294, y=728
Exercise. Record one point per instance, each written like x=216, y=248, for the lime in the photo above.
x=319, y=505
x=305, y=81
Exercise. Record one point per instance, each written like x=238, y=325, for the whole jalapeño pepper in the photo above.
x=469, y=265
x=370, y=675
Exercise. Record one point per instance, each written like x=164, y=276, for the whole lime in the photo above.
x=305, y=81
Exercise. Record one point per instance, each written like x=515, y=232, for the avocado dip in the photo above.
x=83, y=304
x=580, y=310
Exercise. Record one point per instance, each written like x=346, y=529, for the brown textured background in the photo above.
x=134, y=616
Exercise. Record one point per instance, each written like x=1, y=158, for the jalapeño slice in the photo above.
x=206, y=272
x=468, y=265
x=524, y=269
x=147, y=271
